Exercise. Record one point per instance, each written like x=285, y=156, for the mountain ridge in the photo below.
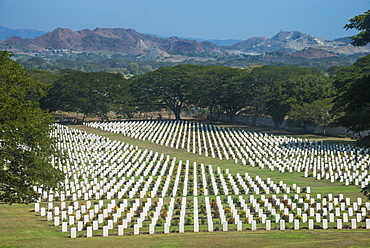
x=130, y=42
x=6, y=33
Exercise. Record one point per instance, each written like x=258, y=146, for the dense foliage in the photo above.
x=360, y=23
x=25, y=143
x=136, y=65
x=90, y=62
x=352, y=104
x=267, y=90
x=90, y=93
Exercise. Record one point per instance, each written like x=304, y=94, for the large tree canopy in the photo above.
x=277, y=89
x=214, y=89
x=267, y=90
x=90, y=93
x=25, y=143
x=352, y=104
x=166, y=86
x=362, y=24
x=316, y=113
x=209, y=87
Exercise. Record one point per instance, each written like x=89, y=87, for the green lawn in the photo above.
x=21, y=227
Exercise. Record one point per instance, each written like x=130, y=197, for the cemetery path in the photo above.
x=317, y=186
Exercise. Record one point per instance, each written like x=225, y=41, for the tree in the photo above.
x=166, y=86
x=366, y=191
x=212, y=85
x=278, y=88
x=43, y=76
x=90, y=93
x=25, y=143
x=133, y=68
x=146, y=68
x=235, y=97
x=360, y=23
x=316, y=113
x=353, y=100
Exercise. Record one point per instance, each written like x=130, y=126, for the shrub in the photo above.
x=188, y=221
x=231, y=221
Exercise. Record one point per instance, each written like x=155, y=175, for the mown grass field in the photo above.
x=21, y=227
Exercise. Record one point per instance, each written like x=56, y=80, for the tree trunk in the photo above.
x=210, y=115
x=231, y=116
x=278, y=116
x=278, y=121
x=177, y=113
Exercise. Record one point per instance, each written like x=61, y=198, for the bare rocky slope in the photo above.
x=130, y=42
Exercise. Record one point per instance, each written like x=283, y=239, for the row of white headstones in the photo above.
x=97, y=162
x=242, y=213
x=342, y=163
x=99, y=168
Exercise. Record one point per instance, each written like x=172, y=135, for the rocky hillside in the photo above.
x=113, y=40
x=130, y=42
x=292, y=41
x=313, y=53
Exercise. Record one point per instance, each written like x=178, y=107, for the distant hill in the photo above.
x=113, y=40
x=313, y=53
x=6, y=33
x=292, y=41
x=130, y=42
x=218, y=42
x=345, y=40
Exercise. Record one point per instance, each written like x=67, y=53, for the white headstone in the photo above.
x=80, y=225
x=310, y=224
x=196, y=226
x=181, y=227
x=339, y=223
x=89, y=232
x=49, y=216
x=151, y=228
x=268, y=225
x=296, y=224
x=37, y=207
x=353, y=224
x=56, y=220
x=367, y=223
x=105, y=231
x=210, y=226
x=73, y=232
x=120, y=230
x=282, y=224
x=254, y=225
x=325, y=223
x=64, y=226
x=136, y=229
x=166, y=228
x=224, y=226
x=95, y=225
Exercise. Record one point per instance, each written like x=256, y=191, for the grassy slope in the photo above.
x=21, y=227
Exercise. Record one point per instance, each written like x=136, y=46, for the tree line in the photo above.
x=303, y=96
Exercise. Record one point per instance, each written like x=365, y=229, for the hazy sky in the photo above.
x=207, y=19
